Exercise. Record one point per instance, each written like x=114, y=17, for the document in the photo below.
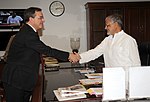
x=72, y=90
x=85, y=71
x=94, y=75
x=114, y=84
x=94, y=81
x=60, y=98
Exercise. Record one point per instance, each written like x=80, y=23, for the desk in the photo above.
x=67, y=77
x=38, y=92
x=64, y=77
x=56, y=79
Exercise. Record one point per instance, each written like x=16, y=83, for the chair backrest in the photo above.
x=8, y=46
x=148, y=55
x=144, y=52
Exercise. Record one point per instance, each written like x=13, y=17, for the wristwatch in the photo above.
x=57, y=8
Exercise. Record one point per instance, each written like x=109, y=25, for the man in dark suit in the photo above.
x=22, y=67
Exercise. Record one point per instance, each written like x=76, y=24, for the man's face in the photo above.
x=38, y=20
x=110, y=26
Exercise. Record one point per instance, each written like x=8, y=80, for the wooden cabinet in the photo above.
x=137, y=22
x=96, y=13
x=136, y=18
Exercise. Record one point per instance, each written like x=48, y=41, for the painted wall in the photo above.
x=58, y=30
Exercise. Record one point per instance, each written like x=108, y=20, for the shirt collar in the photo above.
x=32, y=27
x=117, y=34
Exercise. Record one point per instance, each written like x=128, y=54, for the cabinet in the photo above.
x=135, y=18
x=137, y=21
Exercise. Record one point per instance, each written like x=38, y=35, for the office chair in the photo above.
x=2, y=64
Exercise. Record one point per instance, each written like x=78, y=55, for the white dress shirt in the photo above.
x=120, y=50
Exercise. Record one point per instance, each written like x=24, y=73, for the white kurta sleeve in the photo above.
x=93, y=53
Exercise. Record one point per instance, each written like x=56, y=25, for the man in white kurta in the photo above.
x=119, y=49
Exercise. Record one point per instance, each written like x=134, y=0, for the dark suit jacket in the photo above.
x=22, y=66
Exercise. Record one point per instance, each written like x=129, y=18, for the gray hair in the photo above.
x=116, y=18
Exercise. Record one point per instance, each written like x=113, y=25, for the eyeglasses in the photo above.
x=41, y=17
x=108, y=25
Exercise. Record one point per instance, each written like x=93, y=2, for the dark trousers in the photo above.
x=14, y=94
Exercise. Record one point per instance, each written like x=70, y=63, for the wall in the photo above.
x=58, y=30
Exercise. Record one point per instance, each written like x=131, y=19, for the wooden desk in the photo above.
x=38, y=93
x=66, y=76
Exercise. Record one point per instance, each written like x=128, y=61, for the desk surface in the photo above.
x=67, y=77
x=61, y=78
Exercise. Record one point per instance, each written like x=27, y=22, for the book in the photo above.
x=47, y=65
x=94, y=75
x=97, y=91
x=92, y=81
x=60, y=98
x=51, y=67
x=51, y=64
x=50, y=60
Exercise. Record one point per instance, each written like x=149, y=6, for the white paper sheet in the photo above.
x=114, y=84
x=139, y=82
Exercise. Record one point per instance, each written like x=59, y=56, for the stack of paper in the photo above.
x=94, y=75
x=51, y=64
x=86, y=71
x=92, y=81
x=50, y=60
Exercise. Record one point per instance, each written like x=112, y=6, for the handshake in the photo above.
x=74, y=57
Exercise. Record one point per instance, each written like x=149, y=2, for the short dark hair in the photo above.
x=116, y=18
x=30, y=12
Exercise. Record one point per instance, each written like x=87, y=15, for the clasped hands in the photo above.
x=74, y=57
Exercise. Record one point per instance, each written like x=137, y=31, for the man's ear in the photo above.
x=30, y=18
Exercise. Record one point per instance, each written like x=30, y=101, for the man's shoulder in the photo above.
x=128, y=36
x=25, y=29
